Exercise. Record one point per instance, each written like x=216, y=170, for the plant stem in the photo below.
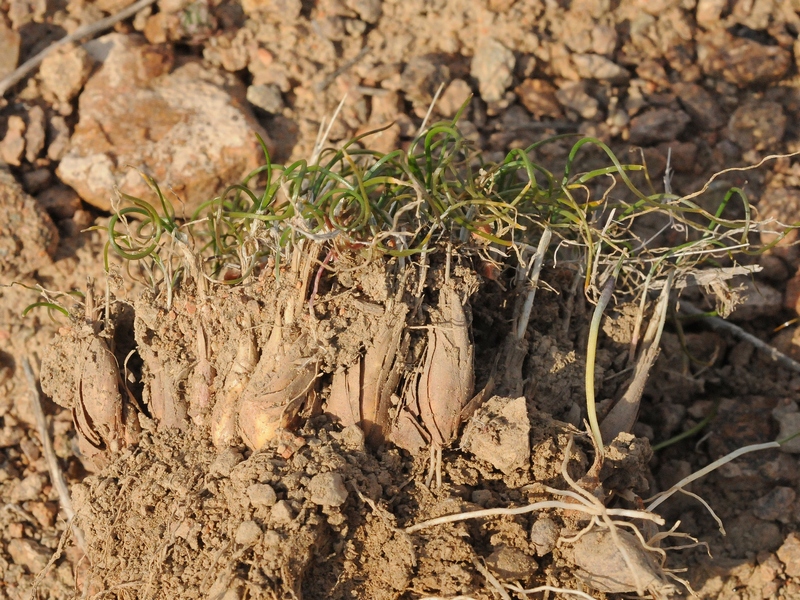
x=591, y=356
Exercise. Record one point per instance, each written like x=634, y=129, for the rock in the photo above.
x=60, y=202
x=63, y=72
x=602, y=567
x=544, y=535
x=709, y=12
x=776, y=505
x=368, y=11
x=353, y=437
x=756, y=300
x=700, y=105
x=34, y=134
x=539, y=97
x=9, y=49
x=594, y=66
x=509, y=563
x=289, y=10
x=188, y=129
x=789, y=553
x=327, y=489
x=493, y=66
x=788, y=418
x=28, y=489
x=247, y=533
x=757, y=125
x=746, y=534
x=266, y=96
x=58, y=132
x=28, y=237
x=261, y=494
x=29, y=554
x=498, y=433
x=741, y=61
x=224, y=462
x=574, y=97
x=229, y=50
x=281, y=513
x=420, y=79
x=659, y=125
x=13, y=145
x=453, y=98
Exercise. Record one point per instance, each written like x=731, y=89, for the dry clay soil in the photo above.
x=714, y=82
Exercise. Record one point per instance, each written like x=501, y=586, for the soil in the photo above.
x=324, y=512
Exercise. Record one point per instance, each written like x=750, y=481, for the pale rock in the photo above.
x=247, y=533
x=281, y=513
x=757, y=125
x=493, y=67
x=368, y=11
x=58, y=132
x=539, y=97
x=189, y=129
x=262, y=494
x=594, y=66
x=64, y=72
x=573, y=96
x=9, y=49
x=544, y=535
x=28, y=489
x=13, y=145
x=741, y=61
x=266, y=96
x=788, y=418
x=789, y=553
x=327, y=489
x=709, y=12
x=35, y=133
x=453, y=98
x=28, y=238
x=776, y=505
x=498, y=433
x=508, y=563
x=29, y=554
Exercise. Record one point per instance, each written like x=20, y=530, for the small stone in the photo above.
x=509, y=563
x=247, y=533
x=9, y=49
x=261, y=494
x=788, y=418
x=28, y=489
x=776, y=505
x=498, y=433
x=482, y=497
x=35, y=133
x=574, y=97
x=327, y=489
x=453, y=98
x=60, y=202
x=789, y=553
x=44, y=512
x=539, y=97
x=420, y=79
x=224, y=462
x=594, y=66
x=58, y=132
x=29, y=554
x=64, y=72
x=266, y=96
x=368, y=11
x=281, y=513
x=659, y=125
x=757, y=299
x=353, y=437
x=741, y=61
x=544, y=535
x=757, y=125
x=700, y=104
x=13, y=145
x=709, y=12
x=493, y=67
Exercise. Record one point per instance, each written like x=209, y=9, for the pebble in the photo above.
x=353, y=437
x=369, y=11
x=9, y=49
x=60, y=201
x=757, y=125
x=700, y=104
x=594, y=66
x=544, y=535
x=58, y=133
x=327, y=489
x=788, y=418
x=453, y=98
x=28, y=489
x=493, y=66
x=659, y=125
x=247, y=533
x=266, y=96
x=498, y=433
x=281, y=513
x=13, y=145
x=225, y=461
x=574, y=97
x=420, y=79
x=35, y=133
x=64, y=72
x=538, y=96
x=188, y=128
x=509, y=563
x=789, y=554
x=739, y=60
x=776, y=505
x=709, y=12
x=30, y=554
x=261, y=494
